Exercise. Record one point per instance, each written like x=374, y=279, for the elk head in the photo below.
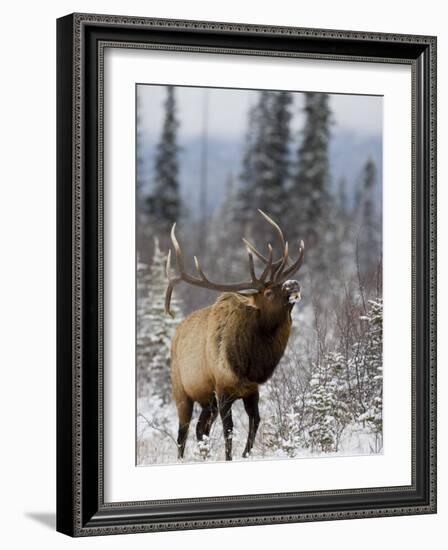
x=272, y=292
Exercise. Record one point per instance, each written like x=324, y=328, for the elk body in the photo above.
x=223, y=352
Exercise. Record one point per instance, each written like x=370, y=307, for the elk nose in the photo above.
x=294, y=297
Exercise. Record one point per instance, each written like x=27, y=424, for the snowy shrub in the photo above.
x=154, y=329
x=326, y=404
x=373, y=415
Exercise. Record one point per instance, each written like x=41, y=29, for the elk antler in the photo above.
x=282, y=277
x=277, y=268
x=279, y=265
x=203, y=281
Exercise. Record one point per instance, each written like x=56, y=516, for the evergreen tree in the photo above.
x=310, y=187
x=327, y=403
x=164, y=203
x=248, y=173
x=266, y=161
x=154, y=328
x=140, y=154
x=342, y=391
x=278, y=142
x=291, y=440
x=373, y=357
x=341, y=252
x=342, y=195
x=319, y=403
x=367, y=215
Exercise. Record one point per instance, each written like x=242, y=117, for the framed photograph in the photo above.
x=246, y=274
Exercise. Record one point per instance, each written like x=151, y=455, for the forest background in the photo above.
x=207, y=159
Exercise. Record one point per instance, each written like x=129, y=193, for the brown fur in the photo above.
x=226, y=350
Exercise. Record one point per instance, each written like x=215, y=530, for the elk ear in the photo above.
x=249, y=292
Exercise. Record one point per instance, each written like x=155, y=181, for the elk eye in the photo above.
x=268, y=293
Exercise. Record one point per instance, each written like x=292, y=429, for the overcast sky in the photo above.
x=227, y=111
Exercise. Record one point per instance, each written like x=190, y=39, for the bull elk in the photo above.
x=223, y=352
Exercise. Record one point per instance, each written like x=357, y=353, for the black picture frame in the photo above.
x=81, y=510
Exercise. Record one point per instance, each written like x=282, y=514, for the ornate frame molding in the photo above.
x=81, y=42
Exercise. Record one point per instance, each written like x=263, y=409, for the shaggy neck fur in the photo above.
x=253, y=343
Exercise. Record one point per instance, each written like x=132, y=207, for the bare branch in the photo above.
x=154, y=426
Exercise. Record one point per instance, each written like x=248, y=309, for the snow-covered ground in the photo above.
x=323, y=400
x=157, y=433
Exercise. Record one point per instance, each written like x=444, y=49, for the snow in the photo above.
x=303, y=413
x=157, y=430
x=325, y=398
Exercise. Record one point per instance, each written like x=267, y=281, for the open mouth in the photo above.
x=294, y=298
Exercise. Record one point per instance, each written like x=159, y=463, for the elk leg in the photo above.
x=212, y=418
x=251, y=406
x=207, y=417
x=225, y=410
x=184, y=411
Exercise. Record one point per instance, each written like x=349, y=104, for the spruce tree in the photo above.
x=248, y=174
x=373, y=370
x=327, y=403
x=366, y=213
x=310, y=194
x=140, y=156
x=277, y=147
x=342, y=195
x=319, y=405
x=266, y=161
x=154, y=329
x=164, y=203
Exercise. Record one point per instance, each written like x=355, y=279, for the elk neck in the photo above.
x=255, y=342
